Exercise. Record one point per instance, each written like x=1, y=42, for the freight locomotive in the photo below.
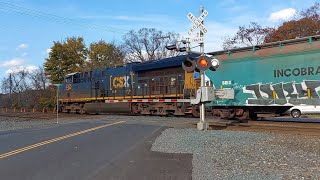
x=269, y=78
x=158, y=87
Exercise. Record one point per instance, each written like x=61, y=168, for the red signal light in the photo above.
x=203, y=62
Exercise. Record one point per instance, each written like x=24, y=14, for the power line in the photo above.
x=39, y=14
x=42, y=15
x=10, y=27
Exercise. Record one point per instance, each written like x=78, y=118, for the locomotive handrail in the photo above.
x=145, y=92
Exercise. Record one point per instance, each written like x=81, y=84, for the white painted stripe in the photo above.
x=148, y=100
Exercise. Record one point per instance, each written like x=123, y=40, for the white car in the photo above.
x=297, y=111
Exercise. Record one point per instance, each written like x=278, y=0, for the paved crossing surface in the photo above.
x=104, y=149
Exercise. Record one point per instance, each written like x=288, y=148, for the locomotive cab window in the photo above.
x=82, y=79
x=86, y=74
x=72, y=78
x=76, y=78
x=68, y=79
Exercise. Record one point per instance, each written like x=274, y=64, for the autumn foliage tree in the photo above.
x=72, y=55
x=65, y=57
x=307, y=24
x=104, y=55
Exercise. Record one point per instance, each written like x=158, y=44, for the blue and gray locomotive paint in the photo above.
x=285, y=74
x=94, y=83
x=120, y=82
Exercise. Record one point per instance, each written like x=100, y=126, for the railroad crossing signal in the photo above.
x=201, y=64
x=197, y=22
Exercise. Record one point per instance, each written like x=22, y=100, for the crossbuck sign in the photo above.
x=197, y=22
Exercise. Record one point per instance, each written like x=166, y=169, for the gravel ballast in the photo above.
x=13, y=123
x=8, y=123
x=244, y=155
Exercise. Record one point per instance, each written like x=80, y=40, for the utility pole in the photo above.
x=57, y=104
x=10, y=90
x=57, y=85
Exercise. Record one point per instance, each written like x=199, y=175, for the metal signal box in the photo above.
x=208, y=94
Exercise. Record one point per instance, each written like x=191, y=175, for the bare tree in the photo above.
x=38, y=79
x=252, y=35
x=25, y=89
x=148, y=44
x=5, y=85
x=20, y=81
x=311, y=12
x=15, y=84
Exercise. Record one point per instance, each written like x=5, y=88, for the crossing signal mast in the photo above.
x=200, y=65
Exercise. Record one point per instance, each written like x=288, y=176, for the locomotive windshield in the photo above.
x=72, y=78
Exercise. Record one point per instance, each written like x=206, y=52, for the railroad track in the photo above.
x=33, y=116
x=255, y=126
x=24, y=115
x=296, y=128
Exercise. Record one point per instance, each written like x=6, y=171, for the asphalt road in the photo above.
x=89, y=150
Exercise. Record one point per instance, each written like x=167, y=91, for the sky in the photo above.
x=28, y=28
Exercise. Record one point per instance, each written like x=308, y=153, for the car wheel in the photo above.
x=295, y=113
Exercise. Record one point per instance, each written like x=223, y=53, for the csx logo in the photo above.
x=120, y=82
